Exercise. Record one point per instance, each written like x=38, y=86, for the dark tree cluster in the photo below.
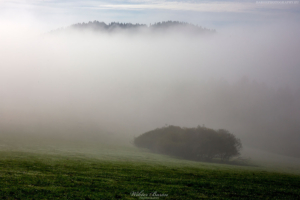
x=159, y=27
x=101, y=26
x=184, y=26
x=200, y=144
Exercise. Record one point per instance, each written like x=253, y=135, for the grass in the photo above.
x=99, y=171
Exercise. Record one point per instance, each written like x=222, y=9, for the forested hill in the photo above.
x=181, y=27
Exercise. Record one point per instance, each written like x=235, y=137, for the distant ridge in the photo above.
x=159, y=27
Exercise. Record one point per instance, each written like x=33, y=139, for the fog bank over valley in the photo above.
x=89, y=84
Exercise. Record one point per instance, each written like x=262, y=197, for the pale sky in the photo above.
x=210, y=14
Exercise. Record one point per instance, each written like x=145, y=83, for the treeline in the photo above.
x=176, y=24
x=200, y=144
x=156, y=27
x=101, y=26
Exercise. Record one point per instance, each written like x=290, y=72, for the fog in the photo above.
x=86, y=84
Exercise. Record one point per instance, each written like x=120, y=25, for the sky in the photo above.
x=51, y=14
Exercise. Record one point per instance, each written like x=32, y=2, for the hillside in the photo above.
x=77, y=170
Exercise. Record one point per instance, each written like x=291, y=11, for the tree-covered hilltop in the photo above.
x=175, y=26
x=101, y=26
x=179, y=25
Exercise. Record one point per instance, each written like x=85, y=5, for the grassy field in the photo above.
x=84, y=170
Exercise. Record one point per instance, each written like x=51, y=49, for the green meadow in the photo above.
x=74, y=169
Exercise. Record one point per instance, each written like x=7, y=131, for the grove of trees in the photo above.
x=199, y=144
x=114, y=27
